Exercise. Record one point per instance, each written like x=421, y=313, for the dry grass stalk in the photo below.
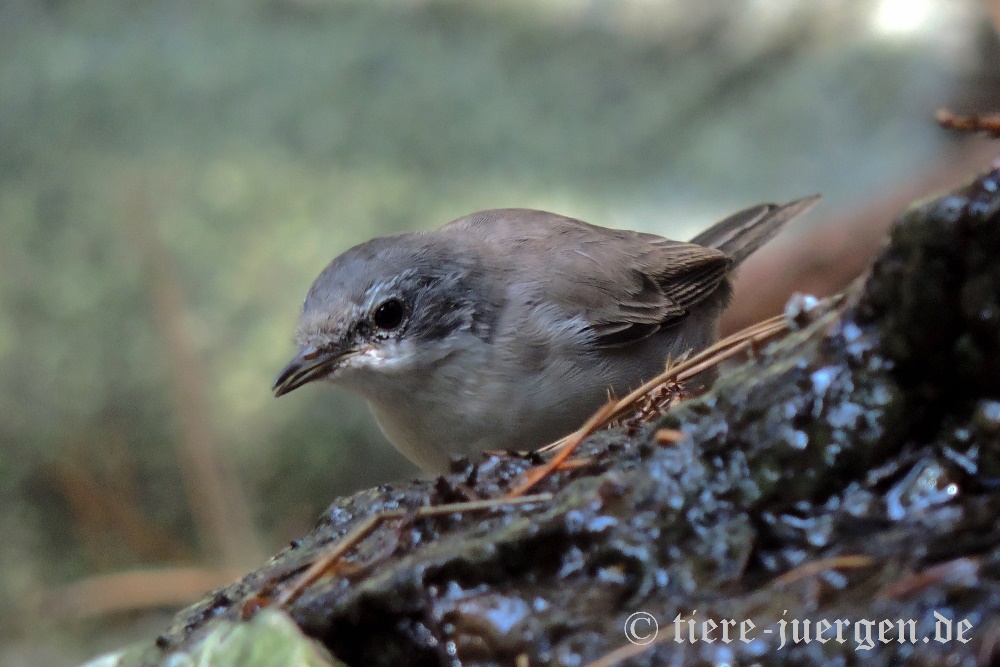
x=661, y=392
x=328, y=559
x=818, y=567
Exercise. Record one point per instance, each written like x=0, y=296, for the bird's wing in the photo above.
x=624, y=285
x=742, y=233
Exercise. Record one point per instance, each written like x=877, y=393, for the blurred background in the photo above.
x=174, y=174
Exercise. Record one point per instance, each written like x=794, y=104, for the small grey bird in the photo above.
x=506, y=329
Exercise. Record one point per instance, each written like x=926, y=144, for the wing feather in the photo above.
x=624, y=285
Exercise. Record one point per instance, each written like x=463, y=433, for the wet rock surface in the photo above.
x=849, y=472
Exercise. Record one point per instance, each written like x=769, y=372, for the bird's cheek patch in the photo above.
x=386, y=357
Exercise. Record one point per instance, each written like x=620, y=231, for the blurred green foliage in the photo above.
x=256, y=139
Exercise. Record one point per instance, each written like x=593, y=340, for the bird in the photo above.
x=506, y=328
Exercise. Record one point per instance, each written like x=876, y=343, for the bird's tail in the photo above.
x=741, y=234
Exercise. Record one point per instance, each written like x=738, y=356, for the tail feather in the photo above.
x=742, y=233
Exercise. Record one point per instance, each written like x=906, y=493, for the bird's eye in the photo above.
x=388, y=315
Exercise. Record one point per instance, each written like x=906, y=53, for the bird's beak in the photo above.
x=308, y=365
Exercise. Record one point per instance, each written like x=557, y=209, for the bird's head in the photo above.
x=386, y=310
